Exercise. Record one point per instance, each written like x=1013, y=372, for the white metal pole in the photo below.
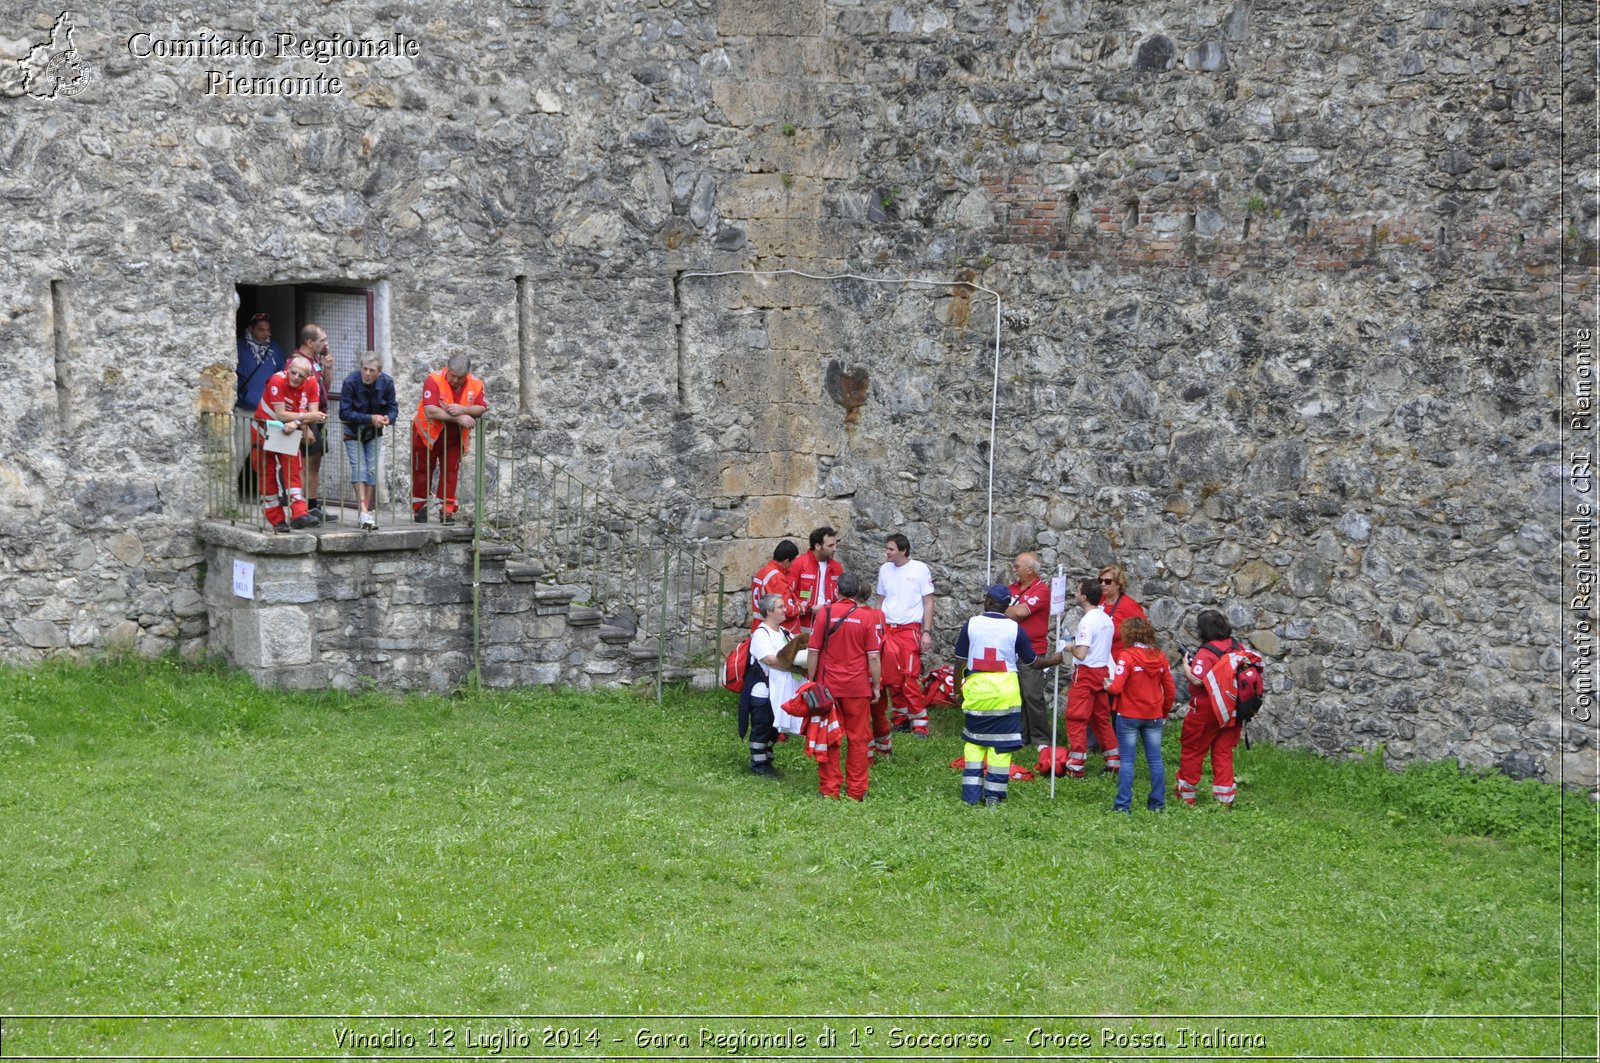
x=1055, y=694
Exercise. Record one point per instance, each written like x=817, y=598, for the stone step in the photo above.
x=524, y=571
x=583, y=616
x=614, y=635
x=553, y=599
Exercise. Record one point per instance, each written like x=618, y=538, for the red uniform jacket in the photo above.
x=771, y=579
x=1126, y=607
x=1141, y=681
x=803, y=582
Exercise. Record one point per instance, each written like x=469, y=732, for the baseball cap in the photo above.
x=999, y=592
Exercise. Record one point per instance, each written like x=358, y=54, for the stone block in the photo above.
x=775, y=18
x=40, y=634
x=784, y=58
x=380, y=541
x=771, y=195
x=771, y=474
x=827, y=154
x=798, y=237
x=125, y=548
x=242, y=539
x=507, y=601
x=1254, y=577
x=807, y=331
x=545, y=626
x=271, y=637
x=286, y=592
x=792, y=428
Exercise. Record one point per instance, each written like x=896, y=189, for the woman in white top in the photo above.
x=775, y=686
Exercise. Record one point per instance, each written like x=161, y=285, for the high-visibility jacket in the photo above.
x=439, y=383
x=773, y=578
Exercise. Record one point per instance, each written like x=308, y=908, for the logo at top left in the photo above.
x=55, y=68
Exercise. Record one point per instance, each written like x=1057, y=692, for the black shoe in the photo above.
x=307, y=521
x=448, y=518
x=991, y=802
x=281, y=527
x=764, y=769
x=420, y=516
x=901, y=728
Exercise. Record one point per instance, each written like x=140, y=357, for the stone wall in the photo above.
x=393, y=609
x=1283, y=281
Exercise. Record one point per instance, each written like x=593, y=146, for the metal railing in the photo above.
x=632, y=566
x=235, y=465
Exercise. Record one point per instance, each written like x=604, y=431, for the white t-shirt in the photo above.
x=1095, y=631
x=901, y=587
x=764, y=643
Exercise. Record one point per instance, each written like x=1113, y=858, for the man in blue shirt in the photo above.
x=259, y=358
x=367, y=406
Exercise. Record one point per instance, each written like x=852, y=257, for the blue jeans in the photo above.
x=363, y=459
x=1129, y=733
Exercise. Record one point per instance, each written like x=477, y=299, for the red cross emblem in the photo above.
x=989, y=661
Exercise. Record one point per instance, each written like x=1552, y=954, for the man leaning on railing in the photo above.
x=452, y=402
x=367, y=405
x=288, y=404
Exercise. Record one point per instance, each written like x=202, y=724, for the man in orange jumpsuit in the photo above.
x=452, y=402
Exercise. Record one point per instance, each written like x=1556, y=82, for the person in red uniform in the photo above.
x=1030, y=608
x=845, y=658
x=773, y=578
x=291, y=398
x=905, y=590
x=452, y=402
x=1088, y=704
x=1203, y=730
x=1117, y=603
x=1141, y=680
x=314, y=349
x=814, y=576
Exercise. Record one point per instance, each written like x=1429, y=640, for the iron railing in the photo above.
x=234, y=461
x=632, y=566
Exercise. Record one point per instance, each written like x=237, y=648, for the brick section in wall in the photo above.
x=1129, y=233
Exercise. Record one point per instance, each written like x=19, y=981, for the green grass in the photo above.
x=178, y=842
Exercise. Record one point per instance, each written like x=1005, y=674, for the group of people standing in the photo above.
x=288, y=395
x=868, y=659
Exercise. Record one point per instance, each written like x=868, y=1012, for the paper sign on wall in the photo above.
x=244, y=579
x=1058, y=595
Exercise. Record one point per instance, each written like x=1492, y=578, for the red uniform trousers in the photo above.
x=856, y=716
x=436, y=469
x=1203, y=733
x=882, y=736
x=1089, y=705
x=902, y=676
x=280, y=472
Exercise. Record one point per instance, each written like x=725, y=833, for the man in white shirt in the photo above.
x=1088, y=704
x=905, y=588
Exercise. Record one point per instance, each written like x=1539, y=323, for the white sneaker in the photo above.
x=369, y=522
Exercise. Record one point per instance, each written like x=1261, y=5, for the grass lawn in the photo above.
x=178, y=843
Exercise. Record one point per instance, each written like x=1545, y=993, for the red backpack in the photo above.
x=941, y=687
x=735, y=665
x=1234, y=683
